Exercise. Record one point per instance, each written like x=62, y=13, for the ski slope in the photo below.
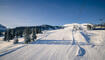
x=62, y=44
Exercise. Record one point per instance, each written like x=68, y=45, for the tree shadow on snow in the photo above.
x=9, y=51
x=86, y=37
x=55, y=42
x=59, y=42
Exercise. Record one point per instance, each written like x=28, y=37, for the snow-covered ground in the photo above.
x=61, y=44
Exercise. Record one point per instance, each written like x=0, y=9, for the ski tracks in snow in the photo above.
x=81, y=51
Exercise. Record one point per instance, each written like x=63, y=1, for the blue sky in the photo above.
x=54, y=12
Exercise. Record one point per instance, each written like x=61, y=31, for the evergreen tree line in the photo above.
x=28, y=34
x=101, y=25
x=96, y=27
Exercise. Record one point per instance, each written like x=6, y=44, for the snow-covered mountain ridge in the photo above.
x=2, y=28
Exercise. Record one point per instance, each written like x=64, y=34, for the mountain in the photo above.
x=42, y=27
x=2, y=28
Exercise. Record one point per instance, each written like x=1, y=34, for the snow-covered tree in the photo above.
x=7, y=35
x=12, y=33
x=33, y=34
x=15, y=40
x=27, y=35
x=39, y=30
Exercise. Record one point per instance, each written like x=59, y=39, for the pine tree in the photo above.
x=5, y=36
x=33, y=35
x=8, y=35
x=26, y=36
x=12, y=32
x=15, y=40
x=36, y=30
x=39, y=30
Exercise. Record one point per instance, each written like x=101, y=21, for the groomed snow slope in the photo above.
x=62, y=44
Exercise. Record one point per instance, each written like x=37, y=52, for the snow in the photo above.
x=61, y=44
